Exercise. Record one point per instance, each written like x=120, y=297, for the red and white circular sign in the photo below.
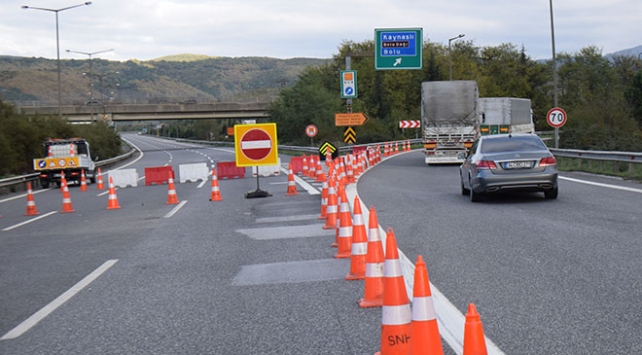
x=556, y=117
x=256, y=144
x=311, y=130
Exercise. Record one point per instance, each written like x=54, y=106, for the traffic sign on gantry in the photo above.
x=398, y=48
x=256, y=144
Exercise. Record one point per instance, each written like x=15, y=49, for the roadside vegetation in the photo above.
x=602, y=97
x=21, y=139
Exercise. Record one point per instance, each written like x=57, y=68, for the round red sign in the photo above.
x=311, y=130
x=256, y=144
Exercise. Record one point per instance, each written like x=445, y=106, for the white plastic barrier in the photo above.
x=124, y=177
x=267, y=170
x=193, y=172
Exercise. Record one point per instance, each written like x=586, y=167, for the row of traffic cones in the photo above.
x=405, y=330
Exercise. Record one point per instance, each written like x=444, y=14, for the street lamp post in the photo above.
x=450, y=65
x=56, y=11
x=91, y=83
x=557, y=130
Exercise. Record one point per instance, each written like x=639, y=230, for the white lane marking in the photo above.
x=29, y=221
x=175, y=209
x=615, y=187
x=48, y=309
x=285, y=232
x=304, y=184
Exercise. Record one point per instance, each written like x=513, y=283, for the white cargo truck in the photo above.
x=449, y=119
x=499, y=115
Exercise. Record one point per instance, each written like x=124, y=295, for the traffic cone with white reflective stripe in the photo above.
x=99, y=180
x=83, y=181
x=31, y=204
x=474, y=340
x=66, y=199
x=172, y=198
x=373, y=285
x=216, y=192
x=291, y=183
x=320, y=174
x=359, y=247
x=344, y=237
x=324, y=197
x=396, y=317
x=332, y=209
x=112, y=203
x=424, y=331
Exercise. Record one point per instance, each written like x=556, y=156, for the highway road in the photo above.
x=257, y=276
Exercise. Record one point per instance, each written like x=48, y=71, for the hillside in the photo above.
x=167, y=79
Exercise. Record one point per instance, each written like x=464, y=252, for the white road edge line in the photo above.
x=29, y=221
x=175, y=209
x=48, y=309
x=615, y=187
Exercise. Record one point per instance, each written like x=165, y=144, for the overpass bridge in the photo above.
x=155, y=112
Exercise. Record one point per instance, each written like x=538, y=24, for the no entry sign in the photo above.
x=256, y=144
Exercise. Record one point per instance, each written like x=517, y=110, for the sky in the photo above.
x=149, y=29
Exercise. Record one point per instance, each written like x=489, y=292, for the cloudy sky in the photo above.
x=148, y=29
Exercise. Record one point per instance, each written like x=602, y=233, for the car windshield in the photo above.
x=512, y=144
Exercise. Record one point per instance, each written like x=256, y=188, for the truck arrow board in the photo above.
x=398, y=48
x=349, y=119
x=349, y=136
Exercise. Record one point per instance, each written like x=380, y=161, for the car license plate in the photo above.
x=518, y=165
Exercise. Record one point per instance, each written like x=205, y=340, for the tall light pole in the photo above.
x=56, y=11
x=450, y=60
x=91, y=82
x=557, y=130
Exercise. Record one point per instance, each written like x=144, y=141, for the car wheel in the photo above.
x=464, y=191
x=474, y=196
x=550, y=194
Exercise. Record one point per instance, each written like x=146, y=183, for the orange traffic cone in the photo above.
x=319, y=171
x=291, y=184
x=396, y=317
x=66, y=199
x=373, y=293
x=172, y=198
x=113, y=199
x=99, y=180
x=216, y=193
x=324, y=197
x=312, y=168
x=359, y=247
x=423, y=329
x=31, y=204
x=474, y=341
x=304, y=171
x=83, y=181
x=344, y=236
x=332, y=209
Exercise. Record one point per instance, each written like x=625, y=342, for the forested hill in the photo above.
x=167, y=79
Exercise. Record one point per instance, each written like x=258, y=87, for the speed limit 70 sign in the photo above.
x=556, y=117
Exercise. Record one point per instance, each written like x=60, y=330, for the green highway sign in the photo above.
x=398, y=48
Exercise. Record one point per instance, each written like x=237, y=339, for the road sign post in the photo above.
x=556, y=118
x=256, y=145
x=398, y=48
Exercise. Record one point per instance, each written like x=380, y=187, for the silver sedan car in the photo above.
x=508, y=162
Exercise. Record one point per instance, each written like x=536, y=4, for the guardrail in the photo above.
x=575, y=158
x=14, y=182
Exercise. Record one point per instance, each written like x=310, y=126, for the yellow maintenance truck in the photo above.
x=70, y=157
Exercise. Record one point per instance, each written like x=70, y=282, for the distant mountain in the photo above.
x=631, y=52
x=177, y=78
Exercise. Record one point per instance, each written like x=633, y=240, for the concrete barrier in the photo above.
x=193, y=172
x=124, y=177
